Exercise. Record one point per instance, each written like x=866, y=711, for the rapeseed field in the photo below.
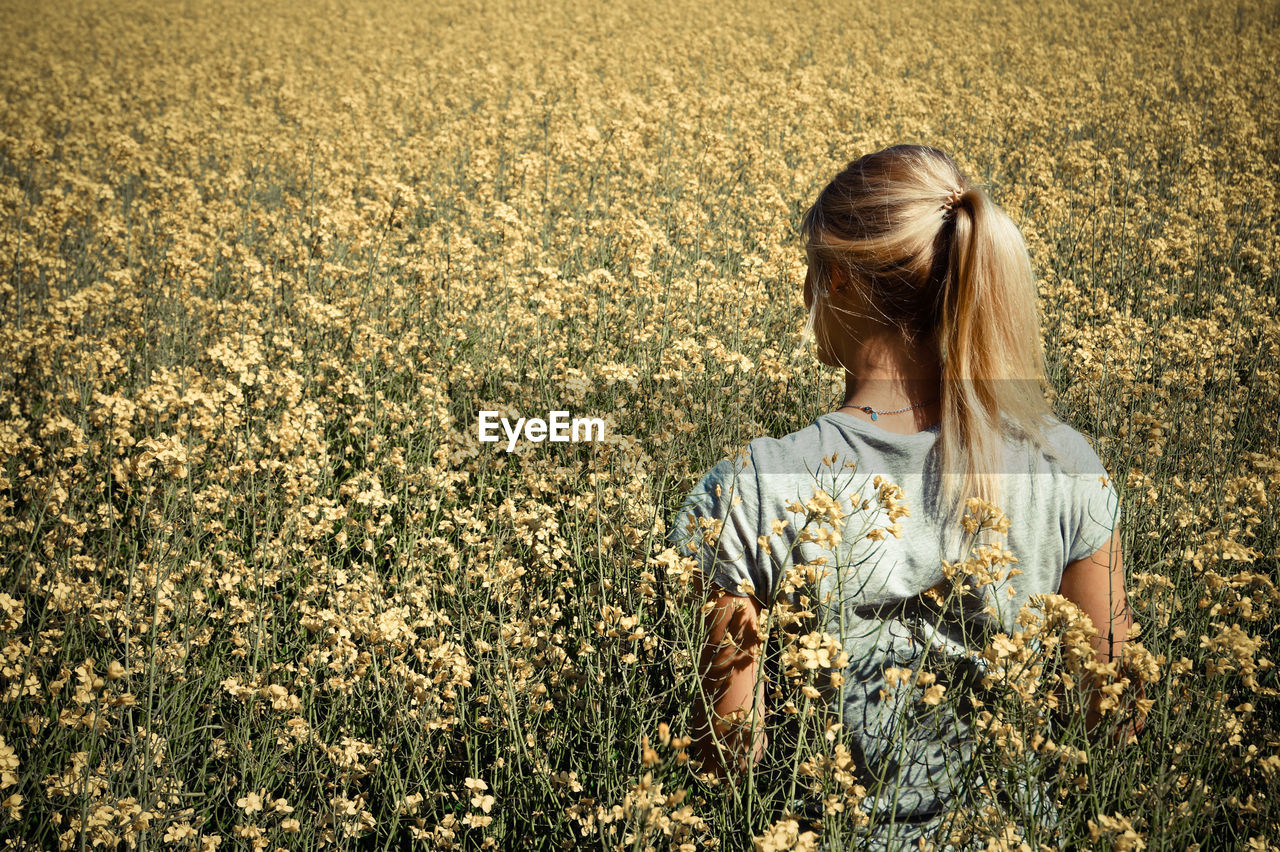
x=263, y=265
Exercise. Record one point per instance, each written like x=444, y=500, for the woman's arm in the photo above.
x=731, y=686
x=1096, y=585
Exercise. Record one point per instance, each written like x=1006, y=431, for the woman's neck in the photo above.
x=886, y=373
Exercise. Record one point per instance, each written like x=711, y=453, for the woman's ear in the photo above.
x=837, y=281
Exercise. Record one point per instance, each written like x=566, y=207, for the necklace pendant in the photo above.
x=873, y=416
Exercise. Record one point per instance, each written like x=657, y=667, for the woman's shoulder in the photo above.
x=766, y=462
x=802, y=452
x=1069, y=450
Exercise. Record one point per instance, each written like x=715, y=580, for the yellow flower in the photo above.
x=251, y=802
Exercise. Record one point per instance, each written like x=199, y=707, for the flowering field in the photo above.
x=262, y=266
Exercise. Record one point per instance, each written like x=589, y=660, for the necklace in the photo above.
x=875, y=415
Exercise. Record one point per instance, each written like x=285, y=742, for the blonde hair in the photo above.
x=928, y=252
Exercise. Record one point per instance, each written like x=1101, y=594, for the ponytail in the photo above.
x=993, y=369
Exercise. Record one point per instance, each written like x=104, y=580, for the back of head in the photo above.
x=930, y=254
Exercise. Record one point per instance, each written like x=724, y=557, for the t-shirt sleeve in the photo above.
x=1093, y=507
x=718, y=526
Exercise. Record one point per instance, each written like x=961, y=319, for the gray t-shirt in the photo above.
x=1061, y=505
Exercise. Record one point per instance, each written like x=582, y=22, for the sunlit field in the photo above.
x=263, y=265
